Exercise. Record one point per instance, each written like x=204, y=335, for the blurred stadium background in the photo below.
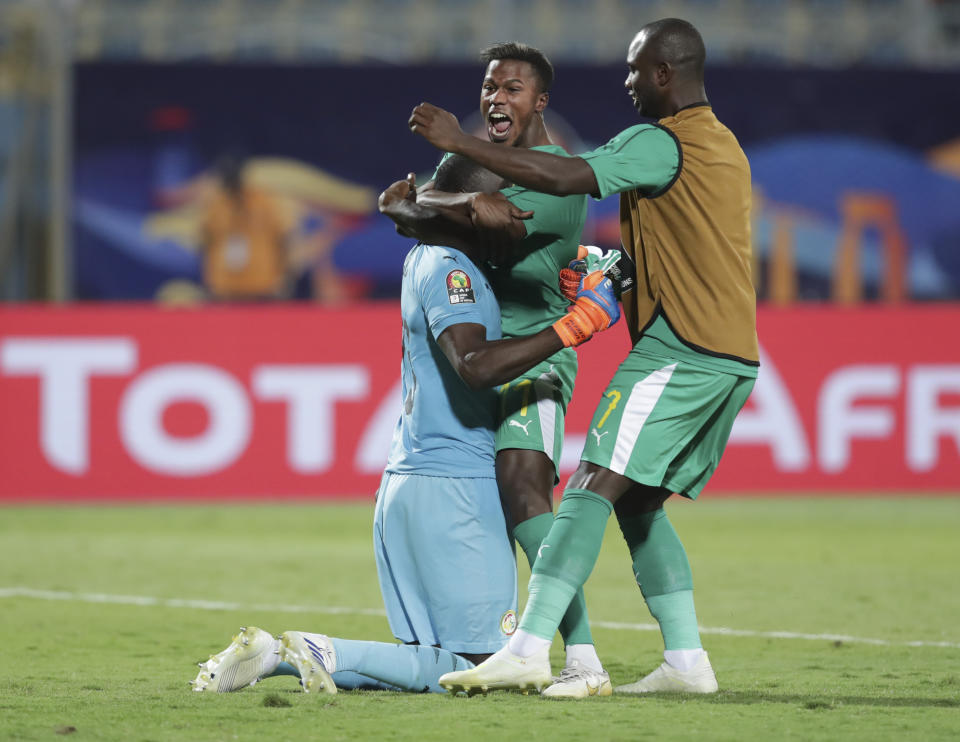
x=129, y=370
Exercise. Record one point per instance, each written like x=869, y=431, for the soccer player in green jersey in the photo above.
x=665, y=418
x=529, y=438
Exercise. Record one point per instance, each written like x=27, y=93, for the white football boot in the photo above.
x=503, y=670
x=313, y=656
x=251, y=655
x=579, y=681
x=698, y=679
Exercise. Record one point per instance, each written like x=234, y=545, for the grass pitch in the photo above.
x=825, y=620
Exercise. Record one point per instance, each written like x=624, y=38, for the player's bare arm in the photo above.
x=434, y=197
x=434, y=224
x=445, y=218
x=491, y=212
x=486, y=210
x=422, y=213
x=483, y=363
x=541, y=171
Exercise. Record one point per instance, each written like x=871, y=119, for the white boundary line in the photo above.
x=217, y=605
x=723, y=631
x=201, y=605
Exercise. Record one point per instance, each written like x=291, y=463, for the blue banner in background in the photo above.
x=844, y=163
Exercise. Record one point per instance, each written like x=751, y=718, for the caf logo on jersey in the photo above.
x=508, y=622
x=458, y=288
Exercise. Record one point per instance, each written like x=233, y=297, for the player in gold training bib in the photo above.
x=664, y=420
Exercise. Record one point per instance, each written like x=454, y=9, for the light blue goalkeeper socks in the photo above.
x=364, y=665
x=284, y=668
x=349, y=680
x=345, y=680
x=406, y=667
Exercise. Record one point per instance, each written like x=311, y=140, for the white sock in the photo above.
x=585, y=654
x=682, y=659
x=523, y=644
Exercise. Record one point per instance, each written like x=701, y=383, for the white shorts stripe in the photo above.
x=643, y=398
x=545, y=387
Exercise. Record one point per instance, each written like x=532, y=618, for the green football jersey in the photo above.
x=526, y=286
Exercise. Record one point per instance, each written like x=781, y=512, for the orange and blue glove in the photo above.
x=595, y=309
x=589, y=259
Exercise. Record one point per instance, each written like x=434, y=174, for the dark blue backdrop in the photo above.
x=351, y=122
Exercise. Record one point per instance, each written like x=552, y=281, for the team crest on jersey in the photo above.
x=508, y=622
x=458, y=288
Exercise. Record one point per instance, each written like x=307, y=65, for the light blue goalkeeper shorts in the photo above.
x=446, y=566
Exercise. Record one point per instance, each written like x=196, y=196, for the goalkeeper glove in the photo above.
x=589, y=259
x=595, y=309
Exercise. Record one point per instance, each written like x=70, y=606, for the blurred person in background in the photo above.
x=251, y=207
x=244, y=239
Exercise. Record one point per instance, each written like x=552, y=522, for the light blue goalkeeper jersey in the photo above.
x=445, y=428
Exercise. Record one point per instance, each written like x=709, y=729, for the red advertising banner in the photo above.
x=140, y=402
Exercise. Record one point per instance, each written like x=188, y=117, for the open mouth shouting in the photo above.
x=499, y=126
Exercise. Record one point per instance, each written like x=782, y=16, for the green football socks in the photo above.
x=575, y=627
x=567, y=556
x=663, y=574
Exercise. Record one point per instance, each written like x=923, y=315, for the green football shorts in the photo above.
x=533, y=407
x=664, y=422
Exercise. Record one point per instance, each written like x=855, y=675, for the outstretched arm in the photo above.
x=540, y=171
x=483, y=363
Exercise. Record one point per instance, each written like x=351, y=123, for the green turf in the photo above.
x=874, y=569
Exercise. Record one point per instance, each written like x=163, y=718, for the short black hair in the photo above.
x=459, y=174
x=678, y=42
x=522, y=53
